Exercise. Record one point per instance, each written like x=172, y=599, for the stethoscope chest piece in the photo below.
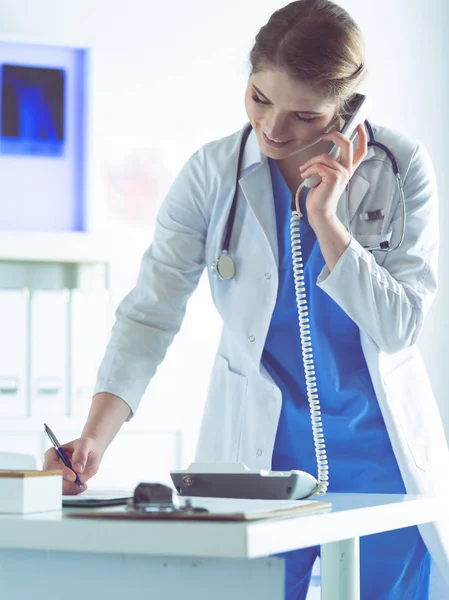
x=224, y=267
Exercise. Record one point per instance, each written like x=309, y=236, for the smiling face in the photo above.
x=285, y=114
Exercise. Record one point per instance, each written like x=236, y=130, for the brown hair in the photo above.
x=316, y=42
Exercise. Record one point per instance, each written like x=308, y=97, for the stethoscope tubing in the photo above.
x=224, y=265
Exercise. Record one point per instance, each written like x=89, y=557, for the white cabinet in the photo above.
x=51, y=345
x=13, y=353
x=48, y=356
x=52, y=339
x=89, y=333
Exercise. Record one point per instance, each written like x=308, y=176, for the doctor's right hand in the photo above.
x=84, y=453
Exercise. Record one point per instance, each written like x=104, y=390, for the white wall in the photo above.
x=168, y=77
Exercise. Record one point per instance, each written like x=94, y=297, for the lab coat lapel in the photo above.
x=255, y=183
x=358, y=188
x=256, y=187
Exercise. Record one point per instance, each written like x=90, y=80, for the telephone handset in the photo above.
x=235, y=480
x=358, y=111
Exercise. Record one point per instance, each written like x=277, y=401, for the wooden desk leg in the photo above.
x=340, y=570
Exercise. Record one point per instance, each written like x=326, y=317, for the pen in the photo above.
x=61, y=453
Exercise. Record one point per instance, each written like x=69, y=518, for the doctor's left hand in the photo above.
x=322, y=200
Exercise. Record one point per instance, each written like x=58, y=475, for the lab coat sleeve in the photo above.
x=149, y=317
x=389, y=302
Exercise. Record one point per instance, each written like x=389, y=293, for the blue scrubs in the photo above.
x=358, y=448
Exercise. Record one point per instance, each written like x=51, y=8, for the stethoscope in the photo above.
x=224, y=266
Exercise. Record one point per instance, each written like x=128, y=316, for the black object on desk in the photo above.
x=93, y=502
x=160, y=498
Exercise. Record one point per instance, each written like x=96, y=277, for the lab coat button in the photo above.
x=259, y=452
x=251, y=338
x=267, y=276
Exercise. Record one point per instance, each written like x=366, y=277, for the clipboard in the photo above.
x=217, y=509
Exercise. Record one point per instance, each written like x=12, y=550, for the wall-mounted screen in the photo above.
x=43, y=137
x=32, y=110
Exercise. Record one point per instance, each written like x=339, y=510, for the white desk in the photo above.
x=48, y=554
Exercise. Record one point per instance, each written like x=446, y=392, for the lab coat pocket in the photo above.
x=340, y=324
x=370, y=240
x=413, y=406
x=221, y=426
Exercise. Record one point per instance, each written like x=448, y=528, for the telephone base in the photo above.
x=236, y=480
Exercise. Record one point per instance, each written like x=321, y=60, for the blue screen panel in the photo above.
x=32, y=110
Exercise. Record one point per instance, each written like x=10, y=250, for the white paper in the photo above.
x=246, y=506
x=100, y=495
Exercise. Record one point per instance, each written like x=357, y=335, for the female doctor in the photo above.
x=381, y=424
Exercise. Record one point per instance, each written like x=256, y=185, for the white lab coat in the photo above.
x=386, y=295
